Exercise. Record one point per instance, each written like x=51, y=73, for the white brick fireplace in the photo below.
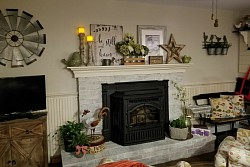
x=89, y=80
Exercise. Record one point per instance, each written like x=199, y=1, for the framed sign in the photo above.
x=152, y=37
x=105, y=38
x=155, y=60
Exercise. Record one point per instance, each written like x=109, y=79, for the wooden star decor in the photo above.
x=173, y=50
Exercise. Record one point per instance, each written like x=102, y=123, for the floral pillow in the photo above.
x=243, y=136
x=221, y=108
x=237, y=103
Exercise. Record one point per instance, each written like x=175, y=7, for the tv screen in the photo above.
x=22, y=94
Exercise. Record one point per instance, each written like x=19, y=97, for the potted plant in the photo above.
x=178, y=129
x=80, y=142
x=218, y=48
x=211, y=46
x=225, y=46
x=72, y=135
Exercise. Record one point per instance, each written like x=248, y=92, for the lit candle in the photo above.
x=90, y=38
x=81, y=30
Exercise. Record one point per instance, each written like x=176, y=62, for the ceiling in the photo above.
x=235, y=5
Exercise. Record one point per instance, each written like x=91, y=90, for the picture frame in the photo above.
x=105, y=38
x=152, y=36
x=155, y=59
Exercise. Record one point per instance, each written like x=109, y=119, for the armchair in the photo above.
x=234, y=152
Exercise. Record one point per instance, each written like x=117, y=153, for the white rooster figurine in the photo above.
x=92, y=122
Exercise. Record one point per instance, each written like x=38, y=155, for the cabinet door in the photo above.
x=26, y=130
x=28, y=152
x=4, y=132
x=5, y=154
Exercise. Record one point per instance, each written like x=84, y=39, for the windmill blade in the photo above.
x=27, y=56
x=17, y=58
x=24, y=21
x=2, y=31
x=3, y=45
x=2, y=38
x=34, y=48
x=4, y=25
x=6, y=55
x=41, y=38
x=33, y=27
x=12, y=15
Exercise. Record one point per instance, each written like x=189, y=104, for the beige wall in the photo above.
x=60, y=18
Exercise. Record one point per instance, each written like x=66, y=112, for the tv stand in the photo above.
x=29, y=115
x=24, y=142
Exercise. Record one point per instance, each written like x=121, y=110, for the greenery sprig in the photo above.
x=181, y=95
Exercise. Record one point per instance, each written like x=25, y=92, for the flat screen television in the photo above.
x=22, y=94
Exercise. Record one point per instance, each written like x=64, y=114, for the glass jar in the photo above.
x=188, y=124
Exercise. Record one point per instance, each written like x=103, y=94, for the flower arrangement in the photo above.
x=181, y=95
x=128, y=47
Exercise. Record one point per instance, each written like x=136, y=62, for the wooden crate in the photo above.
x=134, y=60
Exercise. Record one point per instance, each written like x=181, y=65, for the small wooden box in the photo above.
x=134, y=60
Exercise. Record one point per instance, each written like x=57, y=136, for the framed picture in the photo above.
x=105, y=38
x=155, y=59
x=152, y=36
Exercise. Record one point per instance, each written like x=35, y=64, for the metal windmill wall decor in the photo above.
x=19, y=38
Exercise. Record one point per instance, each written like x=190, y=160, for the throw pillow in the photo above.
x=237, y=102
x=243, y=136
x=221, y=108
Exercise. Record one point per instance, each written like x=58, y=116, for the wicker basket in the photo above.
x=177, y=133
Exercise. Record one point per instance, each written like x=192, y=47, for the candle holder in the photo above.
x=90, y=53
x=81, y=35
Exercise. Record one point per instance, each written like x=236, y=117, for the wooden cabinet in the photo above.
x=23, y=143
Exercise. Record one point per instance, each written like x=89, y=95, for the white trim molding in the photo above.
x=96, y=71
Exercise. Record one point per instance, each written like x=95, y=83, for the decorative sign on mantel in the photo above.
x=105, y=38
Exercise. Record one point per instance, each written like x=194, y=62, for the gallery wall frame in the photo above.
x=152, y=36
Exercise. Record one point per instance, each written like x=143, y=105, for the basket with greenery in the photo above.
x=178, y=129
x=179, y=123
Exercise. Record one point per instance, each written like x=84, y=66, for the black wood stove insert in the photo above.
x=138, y=111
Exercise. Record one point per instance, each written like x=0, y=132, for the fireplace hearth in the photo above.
x=138, y=111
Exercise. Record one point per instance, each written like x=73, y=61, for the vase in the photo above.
x=188, y=124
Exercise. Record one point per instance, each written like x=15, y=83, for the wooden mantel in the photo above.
x=96, y=71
